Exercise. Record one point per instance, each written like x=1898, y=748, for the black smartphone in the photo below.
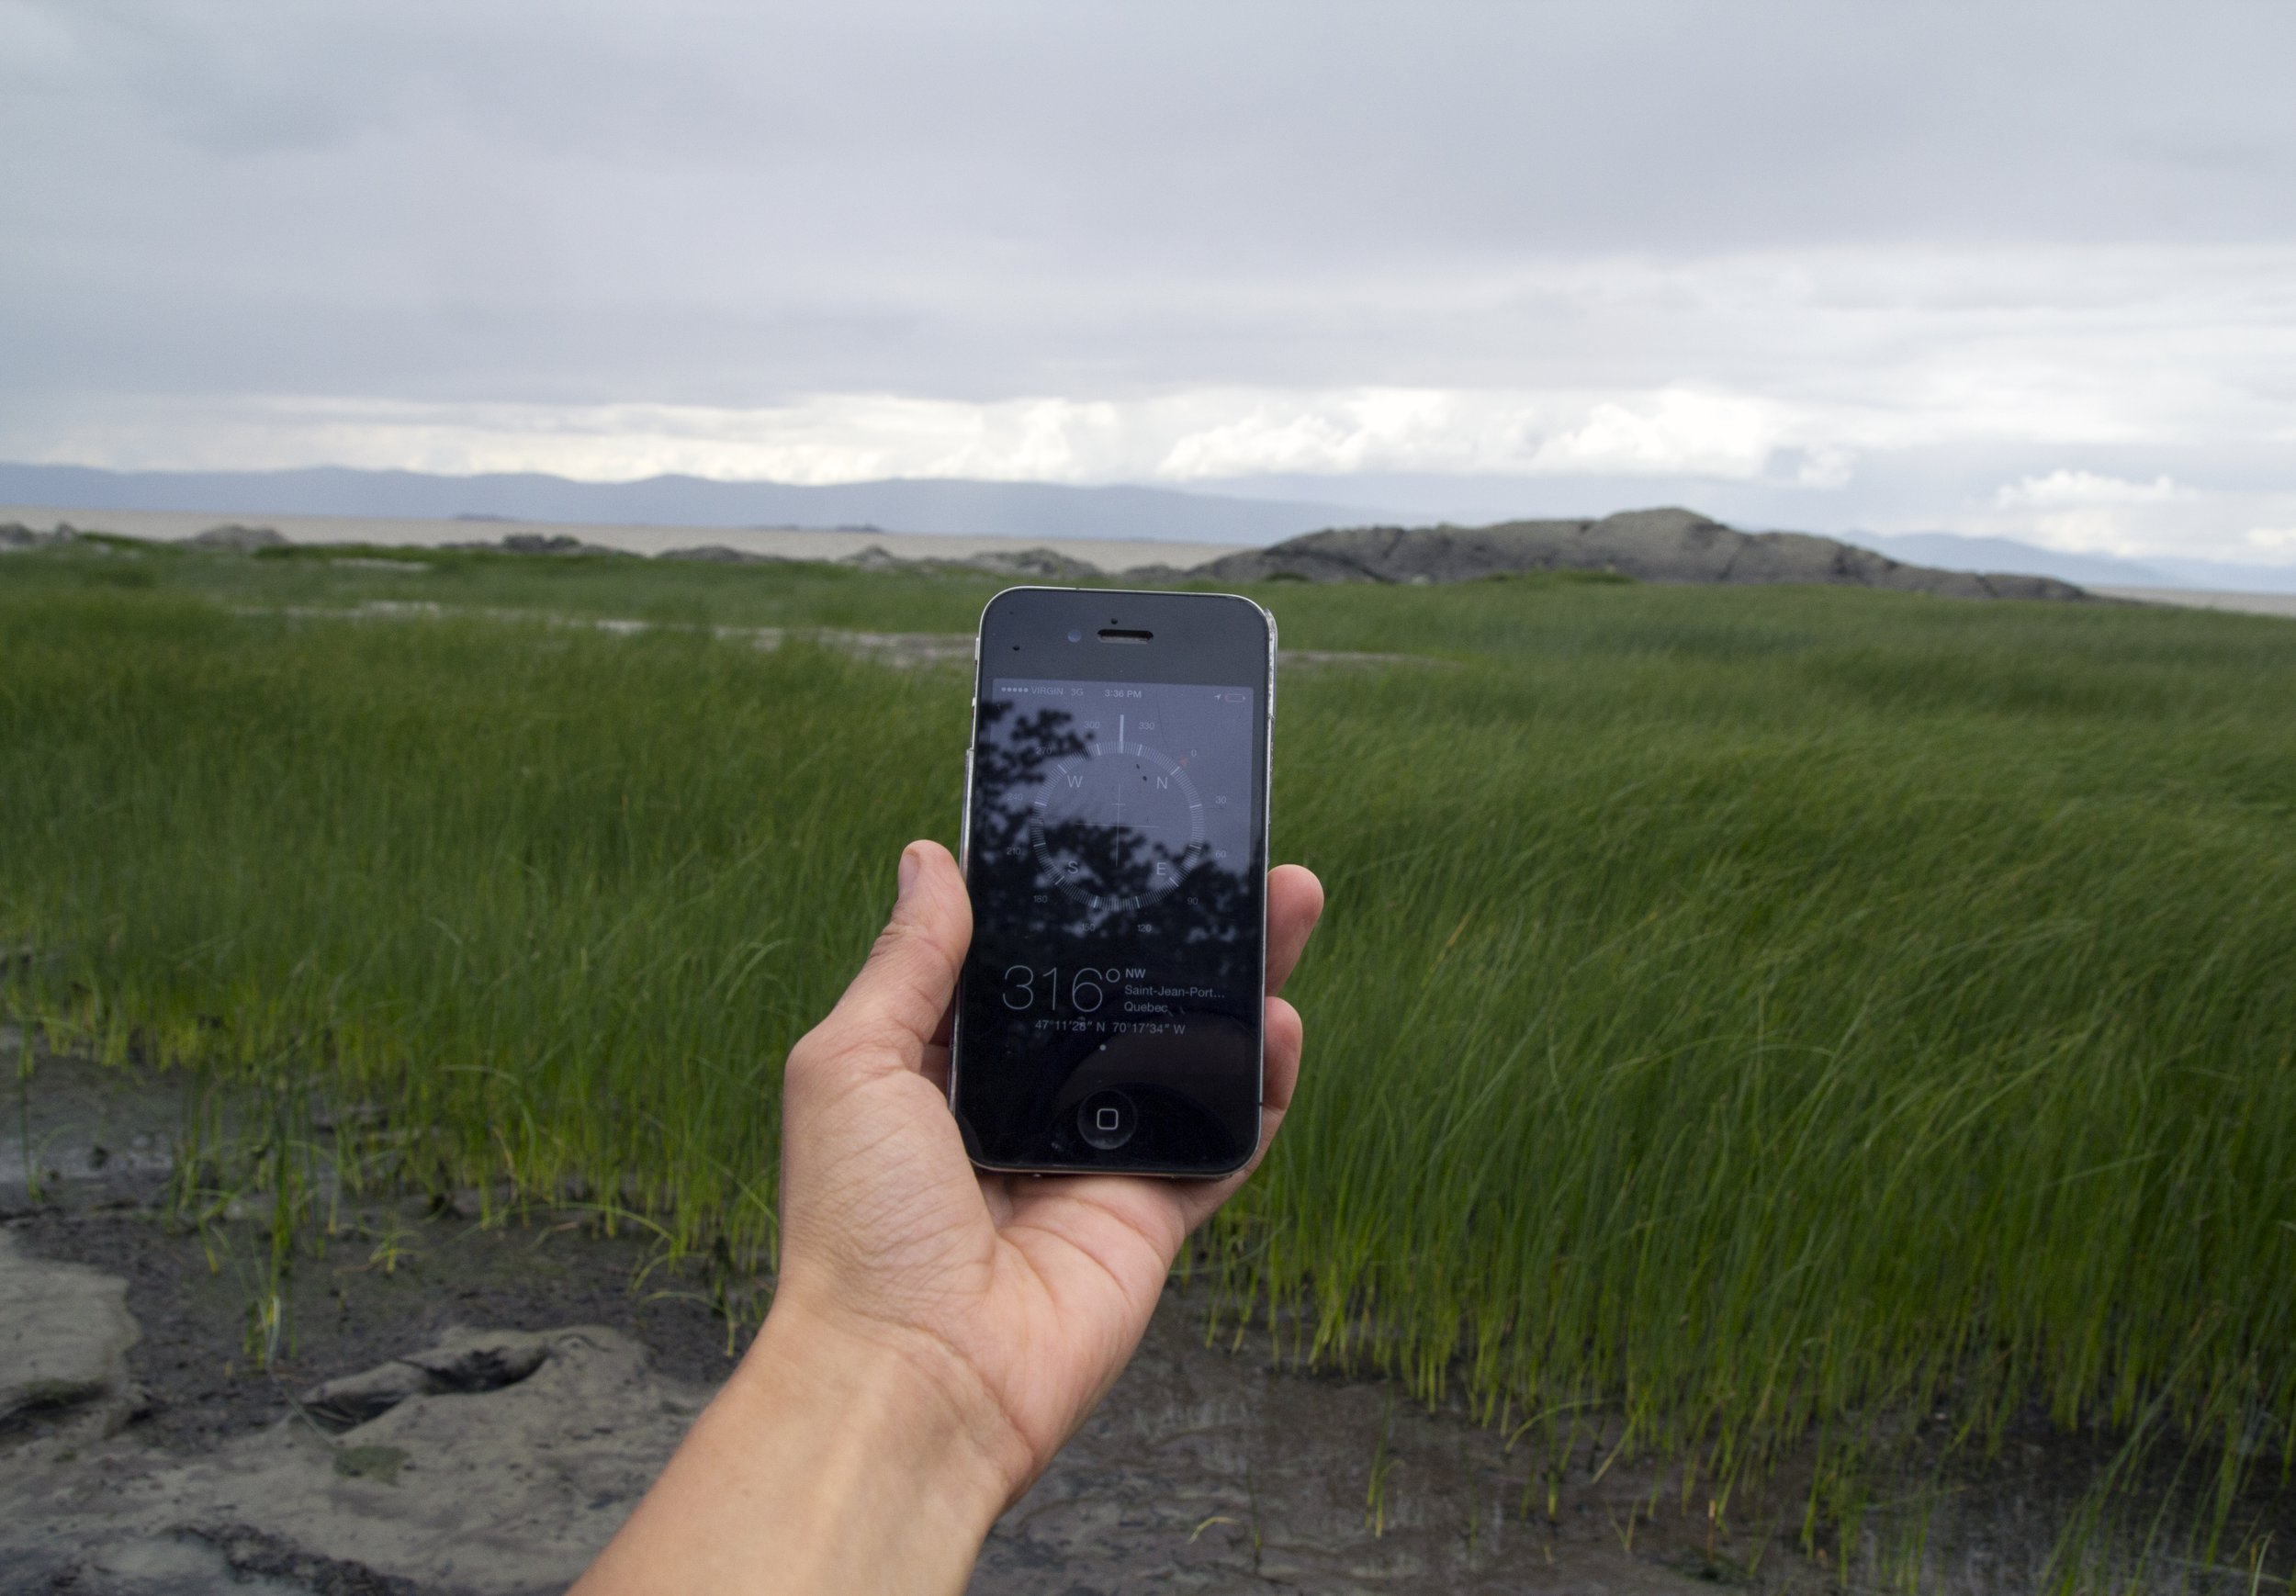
x=1110, y=1014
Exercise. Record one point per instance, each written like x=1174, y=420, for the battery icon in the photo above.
x=1235, y=698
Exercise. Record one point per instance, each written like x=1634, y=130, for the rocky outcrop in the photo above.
x=536, y=542
x=717, y=554
x=64, y=1335
x=1669, y=545
x=1042, y=565
x=446, y=1469
x=234, y=538
x=464, y=1361
x=1162, y=576
x=14, y=534
x=1652, y=545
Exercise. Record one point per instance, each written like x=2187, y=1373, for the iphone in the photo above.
x=1109, y=1015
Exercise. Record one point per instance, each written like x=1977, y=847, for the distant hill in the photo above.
x=1031, y=510
x=1953, y=552
x=1654, y=546
x=1043, y=511
x=1956, y=553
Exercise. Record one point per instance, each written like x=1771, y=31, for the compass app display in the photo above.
x=1112, y=992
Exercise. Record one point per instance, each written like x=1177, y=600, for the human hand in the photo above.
x=936, y=1333
x=1027, y=1293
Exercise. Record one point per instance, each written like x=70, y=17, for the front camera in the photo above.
x=1074, y=636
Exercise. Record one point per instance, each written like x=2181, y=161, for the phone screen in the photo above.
x=1111, y=1006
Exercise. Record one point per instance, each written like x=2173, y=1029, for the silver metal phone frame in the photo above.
x=1267, y=793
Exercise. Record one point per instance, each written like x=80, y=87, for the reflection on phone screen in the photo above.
x=1112, y=993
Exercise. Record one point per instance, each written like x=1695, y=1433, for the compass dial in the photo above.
x=1118, y=826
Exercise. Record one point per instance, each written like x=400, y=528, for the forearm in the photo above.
x=828, y=1464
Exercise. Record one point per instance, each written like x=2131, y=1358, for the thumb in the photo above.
x=896, y=1001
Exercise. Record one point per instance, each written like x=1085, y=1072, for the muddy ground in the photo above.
x=459, y=1407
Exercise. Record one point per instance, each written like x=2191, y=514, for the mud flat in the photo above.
x=467, y=1408
x=464, y=1407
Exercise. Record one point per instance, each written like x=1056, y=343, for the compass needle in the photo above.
x=1095, y=827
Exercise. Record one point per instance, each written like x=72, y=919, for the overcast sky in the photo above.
x=2017, y=269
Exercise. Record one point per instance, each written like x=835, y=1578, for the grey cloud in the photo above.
x=1197, y=130
x=731, y=204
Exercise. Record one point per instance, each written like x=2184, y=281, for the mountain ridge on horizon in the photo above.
x=1961, y=552
x=959, y=506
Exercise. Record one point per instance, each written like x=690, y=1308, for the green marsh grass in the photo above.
x=1751, y=1015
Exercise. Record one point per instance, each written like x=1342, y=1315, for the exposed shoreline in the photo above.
x=179, y=1463
x=1110, y=555
x=2207, y=598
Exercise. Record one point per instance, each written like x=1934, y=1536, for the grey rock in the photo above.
x=464, y=1362
x=1157, y=576
x=1033, y=564
x=14, y=534
x=508, y=1488
x=535, y=543
x=875, y=558
x=88, y=540
x=194, y=1560
x=1044, y=563
x=64, y=1335
x=233, y=538
x=1652, y=545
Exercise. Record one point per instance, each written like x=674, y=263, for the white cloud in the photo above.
x=1237, y=434
x=1825, y=467
x=2095, y=513
x=2082, y=488
x=826, y=438
x=1670, y=435
x=2273, y=537
x=1181, y=436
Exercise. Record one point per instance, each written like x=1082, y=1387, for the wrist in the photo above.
x=892, y=1383
x=839, y=1458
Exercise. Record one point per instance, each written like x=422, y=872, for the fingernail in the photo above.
x=909, y=866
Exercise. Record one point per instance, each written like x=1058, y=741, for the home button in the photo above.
x=1107, y=1120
